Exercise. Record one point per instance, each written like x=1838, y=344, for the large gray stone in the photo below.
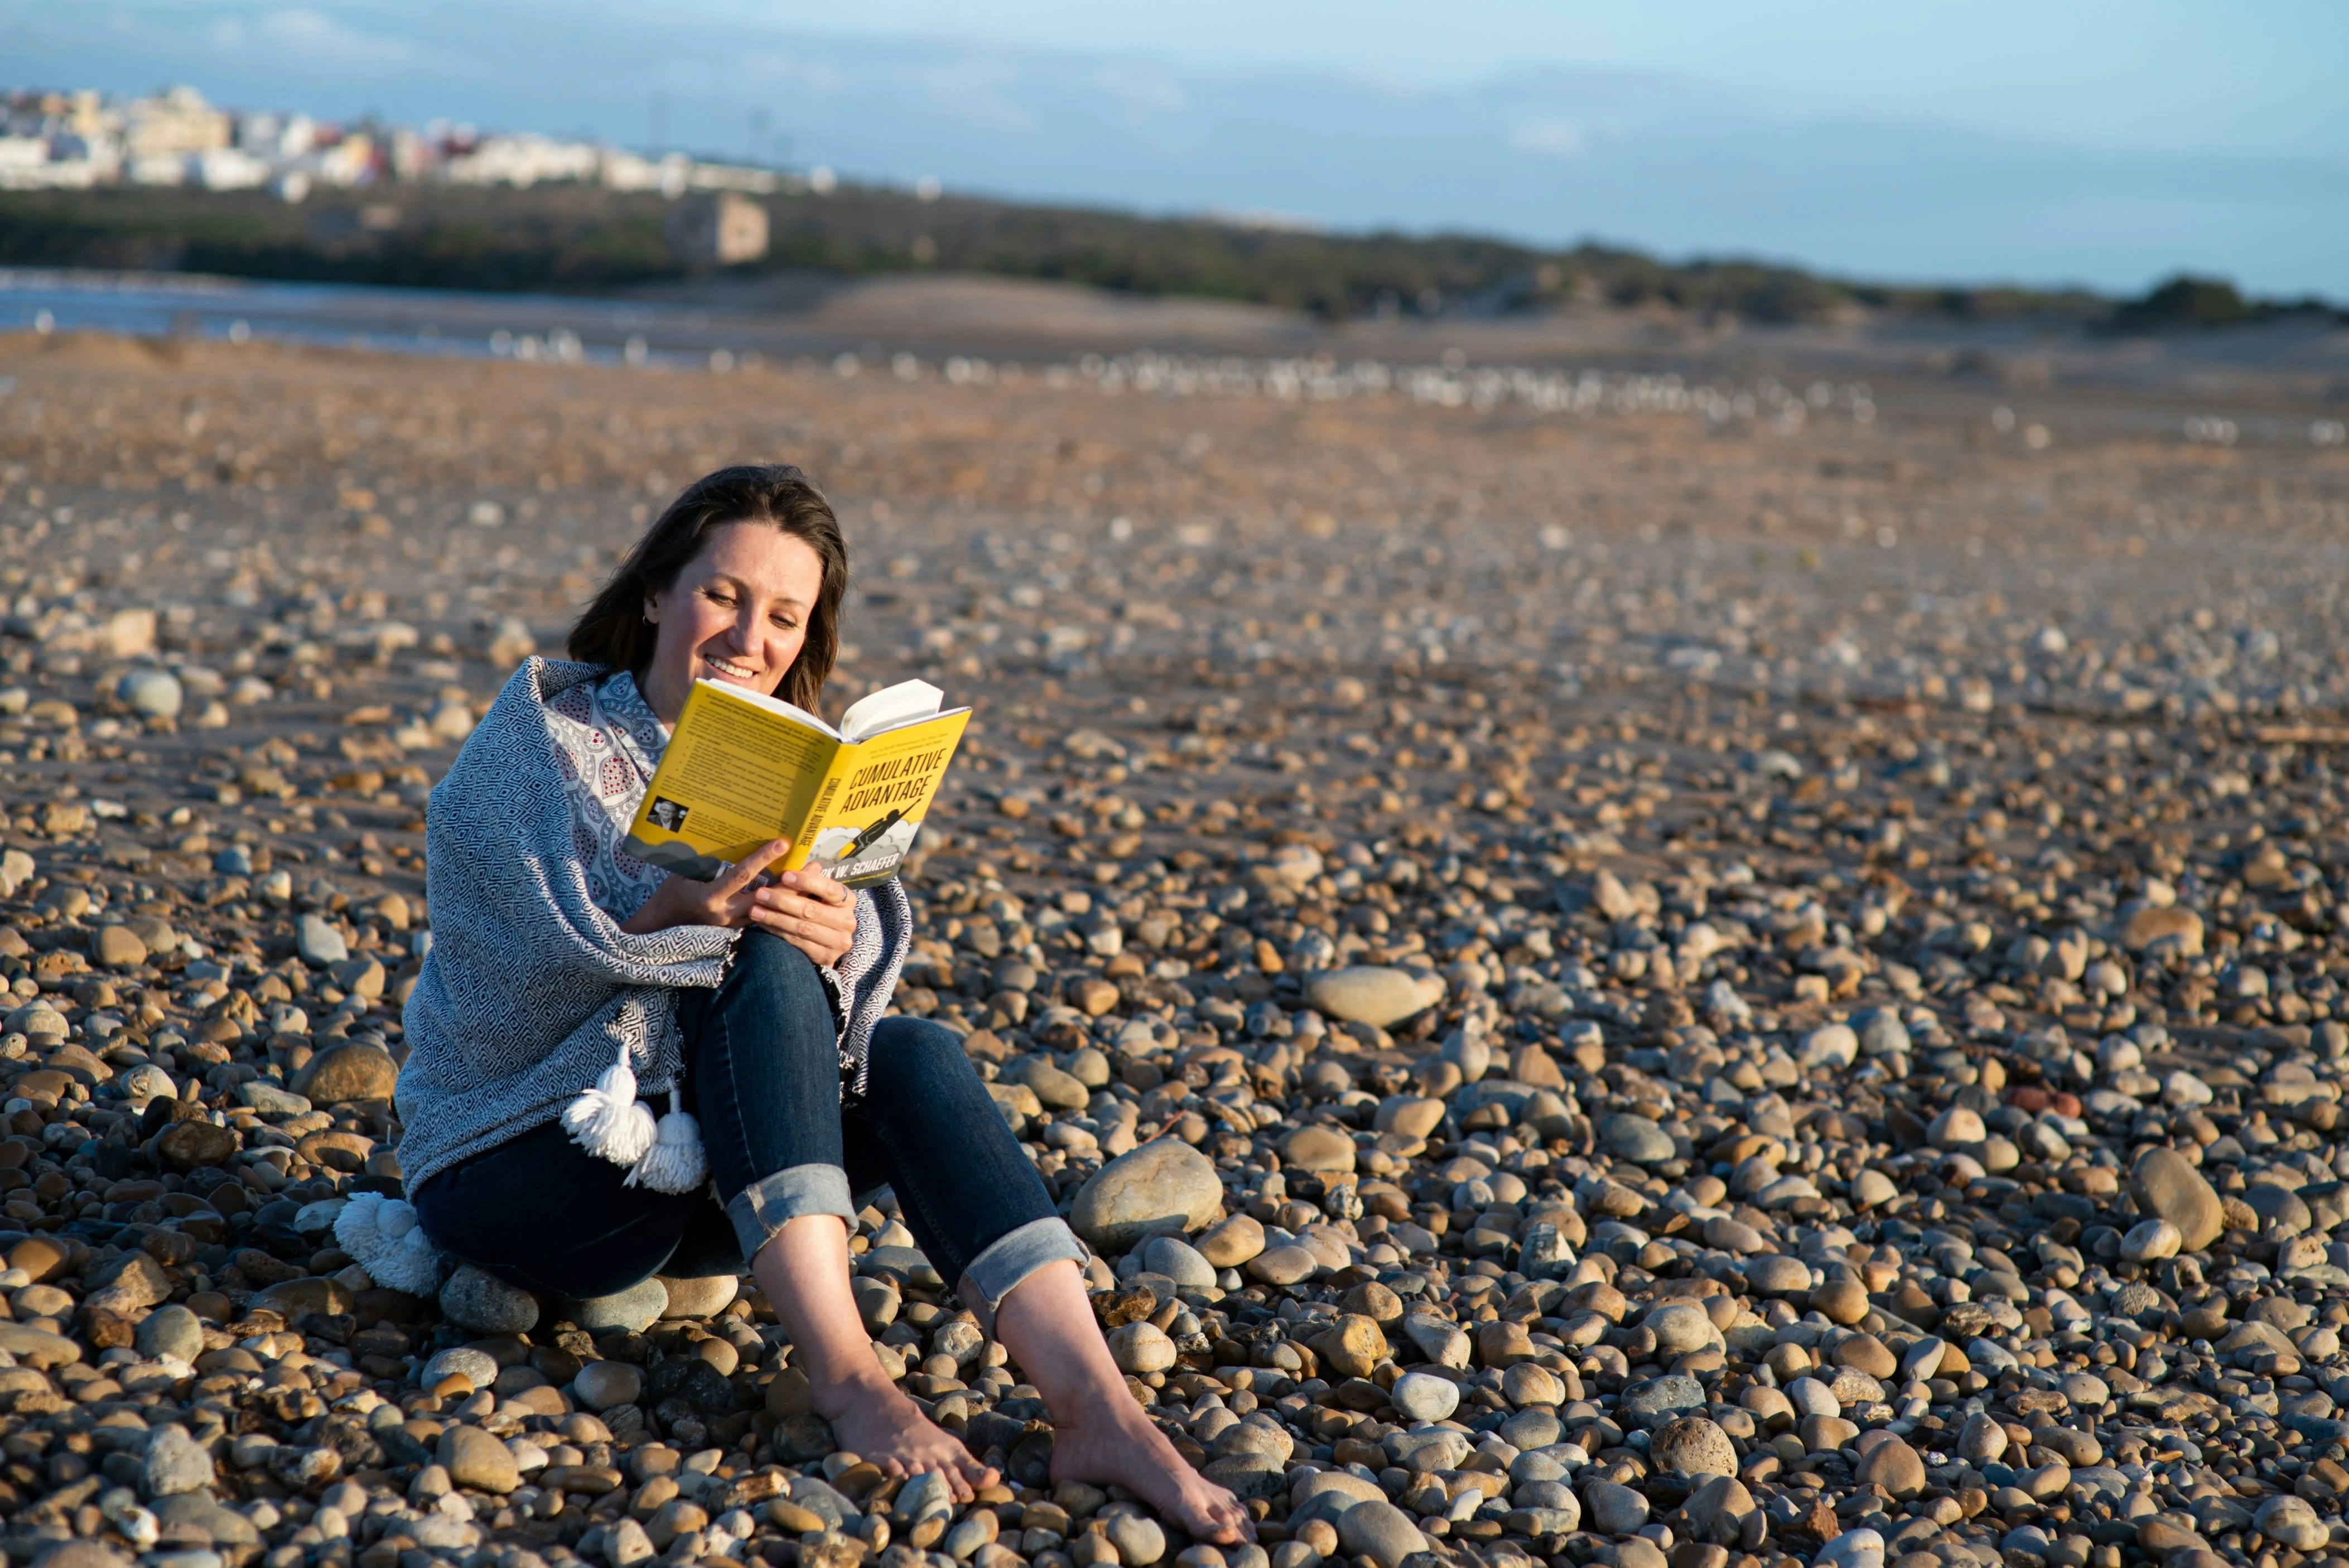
x=172, y=1331
x=630, y=1311
x=1655, y=1400
x=1373, y=993
x=478, y=1367
x=2163, y=1183
x=318, y=942
x=485, y=1304
x=1178, y=1261
x=1164, y=1185
x=1380, y=1531
x=1636, y=1139
x=603, y=1384
x=151, y=693
x=1693, y=1446
x=197, y=1513
x=1613, y=1510
x=174, y=1462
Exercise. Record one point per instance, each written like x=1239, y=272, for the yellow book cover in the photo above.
x=743, y=767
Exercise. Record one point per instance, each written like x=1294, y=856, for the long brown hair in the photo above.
x=613, y=632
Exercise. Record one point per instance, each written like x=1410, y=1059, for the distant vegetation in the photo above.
x=575, y=238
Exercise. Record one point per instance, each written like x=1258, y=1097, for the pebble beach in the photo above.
x=1729, y=975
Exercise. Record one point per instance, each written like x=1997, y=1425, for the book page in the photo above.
x=890, y=708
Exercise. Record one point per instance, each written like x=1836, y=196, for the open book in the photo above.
x=743, y=767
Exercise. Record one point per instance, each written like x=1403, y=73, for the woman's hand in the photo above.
x=806, y=908
x=809, y=910
x=722, y=901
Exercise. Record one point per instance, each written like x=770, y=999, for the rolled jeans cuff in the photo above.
x=771, y=1202
x=1008, y=1260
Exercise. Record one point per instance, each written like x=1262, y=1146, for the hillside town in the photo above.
x=81, y=139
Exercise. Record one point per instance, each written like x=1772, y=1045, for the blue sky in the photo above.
x=2082, y=140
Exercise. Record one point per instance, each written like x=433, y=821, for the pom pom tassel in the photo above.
x=382, y=1236
x=608, y=1121
x=675, y=1164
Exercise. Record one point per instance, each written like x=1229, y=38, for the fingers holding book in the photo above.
x=726, y=900
x=809, y=910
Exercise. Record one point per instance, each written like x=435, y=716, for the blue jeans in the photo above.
x=763, y=1078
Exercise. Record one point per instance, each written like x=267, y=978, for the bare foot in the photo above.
x=874, y=1420
x=1105, y=1445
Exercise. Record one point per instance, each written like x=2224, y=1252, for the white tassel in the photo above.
x=382, y=1236
x=608, y=1121
x=675, y=1163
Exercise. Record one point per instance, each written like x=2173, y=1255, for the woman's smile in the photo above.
x=732, y=670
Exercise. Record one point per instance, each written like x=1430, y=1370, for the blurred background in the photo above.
x=2094, y=167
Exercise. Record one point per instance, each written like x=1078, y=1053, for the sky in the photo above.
x=2085, y=141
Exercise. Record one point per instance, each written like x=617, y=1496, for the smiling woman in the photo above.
x=566, y=975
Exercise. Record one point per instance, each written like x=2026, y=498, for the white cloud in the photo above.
x=1138, y=91
x=312, y=37
x=1548, y=139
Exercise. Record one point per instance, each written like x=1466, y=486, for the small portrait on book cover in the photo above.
x=667, y=815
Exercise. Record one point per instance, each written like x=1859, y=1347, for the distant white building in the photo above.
x=55, y=139
x=227, y=169
x=524, y=160
x=172, y=126
x=624, y=170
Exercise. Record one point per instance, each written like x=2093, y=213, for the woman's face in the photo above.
x=738, y=614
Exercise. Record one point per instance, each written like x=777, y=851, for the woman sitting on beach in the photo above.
x=751, y=1004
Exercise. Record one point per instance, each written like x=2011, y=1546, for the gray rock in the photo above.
x=1718, y=1509
x=478, y=1367
x=1139, y=1541
x=630, y=1311
x=1247, y=1476
x=1693, y=1446
x=1373, y=994
x=1880, y=1031
x=1178, y=1261
x=1828, y=1046
x=817, y=1496
x=1381, y=1531
x=1679, y=1327
x=602, y=1384
x=1613, y=1510
x=1164, y=1185
x=196, y=1513
x=628, y=1545
x=1893, y=1465
x=485, y=1304
x=1424, y=1397
x=172, y=1331
x=151, y=693
x=318, y=942
x=271, y=1100
x=1655, y=1400
x=2163, y=1183
x=1777, y=1276
x=1636, y=1139
x=175, y=1464
x=1530, y=1430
